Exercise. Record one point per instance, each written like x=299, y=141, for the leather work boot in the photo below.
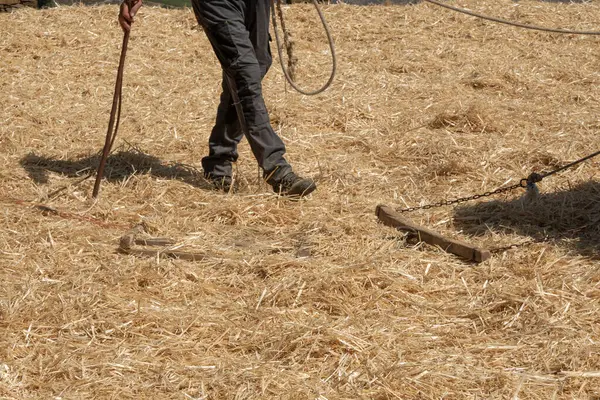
x=292, y=185
x=221, y=183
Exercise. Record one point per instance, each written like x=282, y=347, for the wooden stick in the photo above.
x=130, y=239
x=115, y=113
x=179, y=255
x=390, y=217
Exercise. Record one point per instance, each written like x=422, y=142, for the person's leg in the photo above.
x=224, y=138
x=225, y=26
x=258, y=27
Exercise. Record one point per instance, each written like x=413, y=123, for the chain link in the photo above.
x=523, y=183
x=529, y=183
x=502, y=249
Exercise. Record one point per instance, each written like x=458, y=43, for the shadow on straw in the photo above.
x=119, y=166
x=572, y=215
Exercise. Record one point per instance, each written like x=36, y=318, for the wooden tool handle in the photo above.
x=389, y=217
x=130, y=239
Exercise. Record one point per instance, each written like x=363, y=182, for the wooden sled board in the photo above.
x=390, y=217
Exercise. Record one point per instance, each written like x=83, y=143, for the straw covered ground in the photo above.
x=309, y=299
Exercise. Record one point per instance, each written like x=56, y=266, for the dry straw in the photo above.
x=310, y=299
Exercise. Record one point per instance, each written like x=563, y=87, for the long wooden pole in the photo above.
x=115, y=114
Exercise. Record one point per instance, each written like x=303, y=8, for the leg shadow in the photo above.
x=572, y=214
x=119, y=166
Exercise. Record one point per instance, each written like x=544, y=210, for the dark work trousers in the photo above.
x=238, y=31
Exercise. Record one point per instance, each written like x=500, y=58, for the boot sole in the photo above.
x=301, y=193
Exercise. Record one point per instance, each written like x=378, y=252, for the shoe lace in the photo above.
x=288, y=180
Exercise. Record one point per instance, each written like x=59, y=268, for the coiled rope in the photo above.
x=289, y=72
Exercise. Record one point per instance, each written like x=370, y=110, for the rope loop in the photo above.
x=287, y=72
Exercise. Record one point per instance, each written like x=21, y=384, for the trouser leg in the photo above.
x=258, y=27
x=233, y=28
x=224, y=138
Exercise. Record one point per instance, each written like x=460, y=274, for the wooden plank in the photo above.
x=390, y=217
x=18, y=3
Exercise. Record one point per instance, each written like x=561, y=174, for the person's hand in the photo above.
x=126, y=13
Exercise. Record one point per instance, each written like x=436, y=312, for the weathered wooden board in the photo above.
x=8, y=5
x=390, y=217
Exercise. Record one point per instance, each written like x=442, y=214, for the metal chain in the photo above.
x=502, y=249
x=463, y=199
x=529, y=183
